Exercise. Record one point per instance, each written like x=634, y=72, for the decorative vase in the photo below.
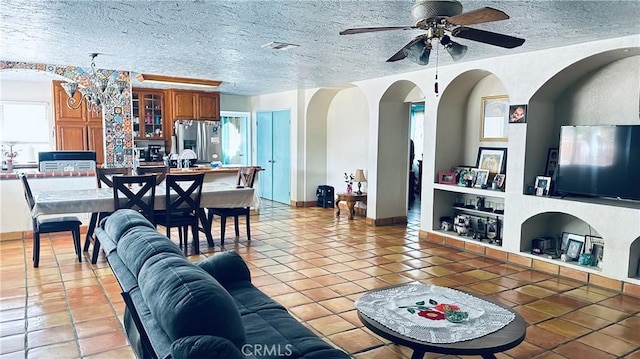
x=349, y=188
x=9, y=165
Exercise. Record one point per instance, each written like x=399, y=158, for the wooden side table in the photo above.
x=351, y=200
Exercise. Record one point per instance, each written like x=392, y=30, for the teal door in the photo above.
x=273, y=154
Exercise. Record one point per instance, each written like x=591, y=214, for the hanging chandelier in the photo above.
x=97, y=89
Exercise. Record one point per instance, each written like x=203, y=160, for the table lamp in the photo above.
x=359, y=178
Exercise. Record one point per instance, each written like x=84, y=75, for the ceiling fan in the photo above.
x=439, y=17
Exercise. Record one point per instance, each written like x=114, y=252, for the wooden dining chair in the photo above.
x=103, y=176
x=246, y=178
x=50, y=225
x=160, y=172
x=182, y=199
x=138, y=193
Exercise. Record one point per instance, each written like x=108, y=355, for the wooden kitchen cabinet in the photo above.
x=149, y=115
x=77, y=129
x=195, y=105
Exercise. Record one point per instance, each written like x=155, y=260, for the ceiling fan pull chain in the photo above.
x=435, y=85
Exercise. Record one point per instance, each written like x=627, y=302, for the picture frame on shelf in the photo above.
x=566, y=236
x=499, y=181
x=542, y=185
x=551, y=168
x=466, y=177
x=518, y=114
x=595, y=245
x=574, y=248
x=447, y=177
x=494, y=118
x=481, y=177
x=493, y=159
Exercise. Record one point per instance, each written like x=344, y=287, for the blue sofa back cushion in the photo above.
x=123, y=220
x=204, y=346
x=219, y=264
x=186, y=300
x=139, y=244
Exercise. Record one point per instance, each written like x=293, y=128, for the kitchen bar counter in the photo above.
x=4, y=175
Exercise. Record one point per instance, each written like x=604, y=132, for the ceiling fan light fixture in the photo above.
x=418, y=52
x=184, y=81
x=454, y=49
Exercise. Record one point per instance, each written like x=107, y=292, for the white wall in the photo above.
x=347, y=135
x=235, y=103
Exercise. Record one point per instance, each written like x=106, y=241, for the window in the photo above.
x=25, y=130
x=235, y=138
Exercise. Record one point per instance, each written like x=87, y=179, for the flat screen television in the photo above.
x=602, y=161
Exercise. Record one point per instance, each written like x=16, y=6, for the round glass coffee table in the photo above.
x=485, y=346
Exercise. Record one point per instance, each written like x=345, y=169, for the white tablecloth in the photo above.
x=397, y=308
x=101, y=199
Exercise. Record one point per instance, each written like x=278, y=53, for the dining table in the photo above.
x=97, y=200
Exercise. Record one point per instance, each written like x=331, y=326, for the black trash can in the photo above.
x=326, y=197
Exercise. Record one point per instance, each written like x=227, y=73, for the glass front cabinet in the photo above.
x=148, y=115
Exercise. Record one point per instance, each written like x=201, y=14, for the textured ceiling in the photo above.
x=222, y=39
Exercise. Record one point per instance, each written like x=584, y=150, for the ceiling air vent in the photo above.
x=279, y=46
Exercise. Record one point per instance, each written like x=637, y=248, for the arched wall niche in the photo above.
x=331, y=113
x=609, y=79
x=458, y=119
x=116, y=119
x=553, y=224
x=391, y=146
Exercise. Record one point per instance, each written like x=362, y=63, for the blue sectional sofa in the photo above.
x=209, y=309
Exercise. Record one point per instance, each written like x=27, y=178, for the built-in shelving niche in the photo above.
x=553, y=224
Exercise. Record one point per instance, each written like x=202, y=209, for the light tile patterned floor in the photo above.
x=316, y=265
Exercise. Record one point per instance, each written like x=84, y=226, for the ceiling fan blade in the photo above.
x=360, y=30
x=478, y=16
x=487, y=37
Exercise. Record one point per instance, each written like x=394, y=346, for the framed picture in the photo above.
x=492, y=159
x=596, y=246
x=543, y=184
x=499, y=181
x=481, y=177
x=564, y=242
x=495, y=117
x=466, y=174
x=447, y=177
x=518, y=114
x=552, y=163
x=574, y=248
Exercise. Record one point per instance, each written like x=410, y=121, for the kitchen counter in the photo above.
x=205, y=170
x=31, y=173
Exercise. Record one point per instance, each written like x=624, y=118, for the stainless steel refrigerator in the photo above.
x=203, y=137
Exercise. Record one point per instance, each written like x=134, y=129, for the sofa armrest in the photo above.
x=204, y=346
x=226, y=267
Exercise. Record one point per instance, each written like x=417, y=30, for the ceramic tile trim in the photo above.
x=14, y=175
x=590, y=278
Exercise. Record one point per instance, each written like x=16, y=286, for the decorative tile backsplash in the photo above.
x=117, y=124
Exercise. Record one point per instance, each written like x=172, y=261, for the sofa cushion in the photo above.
x=250, y=299
x=226, y=267
x=141, y=243
x=283, y=335
x=123, y=220
x=185, y=300
x=204, y=346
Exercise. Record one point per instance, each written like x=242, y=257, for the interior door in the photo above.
x=273, y=154
x=264, y=135
x=281, y=157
